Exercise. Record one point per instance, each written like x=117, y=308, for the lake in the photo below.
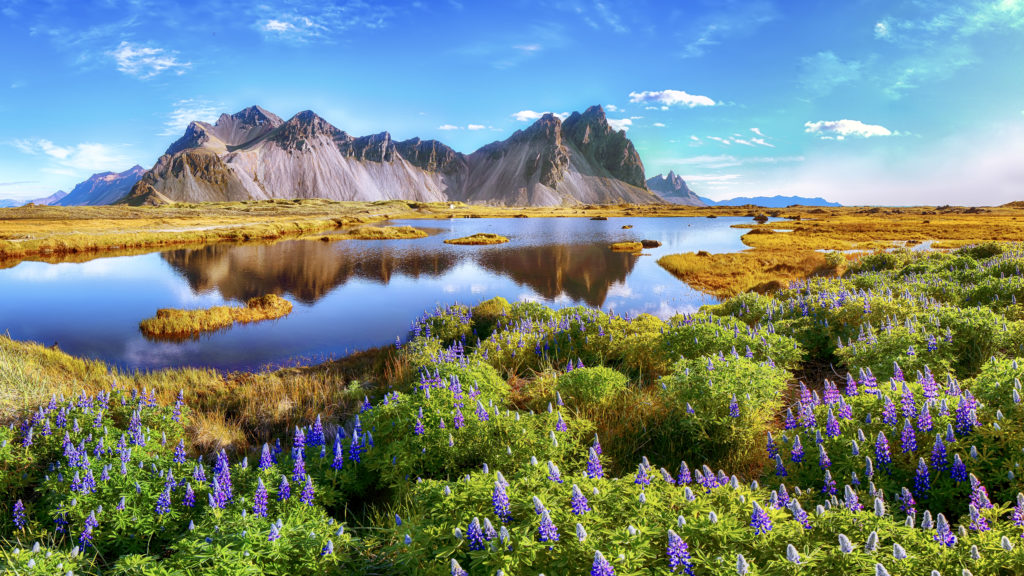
x=348, y=295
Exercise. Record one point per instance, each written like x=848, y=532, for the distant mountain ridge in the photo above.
x=771, y=201
x=254, y=154
x=673, y=188
x=46, y=201
x=103, y=188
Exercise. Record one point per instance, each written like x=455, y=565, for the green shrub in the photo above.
x=595, y=385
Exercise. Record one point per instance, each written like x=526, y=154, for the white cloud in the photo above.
x=530, y=115
x=620, y=124
x=145, y=61
x=658, y=125
x=757, y=131
x=611, y=108
x=87, y=157
x=720, y=139
x=670, y=98
x=186, y=111
x=476, y=127
x=447, y=127
x=277, y=26
x=840, y=129
x=762, y=142
x=302, y=21
x=881, y=29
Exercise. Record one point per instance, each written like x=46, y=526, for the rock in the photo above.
x=650, y=243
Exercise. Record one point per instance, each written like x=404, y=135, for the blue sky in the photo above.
x=869, y=102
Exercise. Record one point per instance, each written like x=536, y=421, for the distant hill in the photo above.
x=672, y=188
x=770, y=201
x=103, y=188
x=47, y=201
x=255, y=154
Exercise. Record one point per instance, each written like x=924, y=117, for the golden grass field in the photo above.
x=479, y=239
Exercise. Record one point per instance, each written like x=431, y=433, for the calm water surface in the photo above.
x=348, y=295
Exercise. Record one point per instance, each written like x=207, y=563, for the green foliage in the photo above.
x=591, y=385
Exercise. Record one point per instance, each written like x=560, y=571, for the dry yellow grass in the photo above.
x=479, y=239
x=380, y=233
x=724, y=275
x=175, y=324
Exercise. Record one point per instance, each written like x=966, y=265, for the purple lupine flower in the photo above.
x=198, y=472
x=828, y=484
x=594, y=468
x=678, y=554
x=554, y=474
x=561, y=426
x=823, y=460
x=642, y=479
x=499, y=498
x=578, y=501
x=339, y=455
x=831, y=425
x=831, y=393
x=772, y=449
x=845, y=410
x=284, y=490
x=20, y=519
x=266, y=459
x=306, y=497
x=908, y=441
x=907, y=403
x=897, y=372
x=783, y=497
x=601, y=566
x=418, y=429
x=189, y=499
x=299, y=466
x=299, y=443
x=964, y=419
x=179, y=452
x=163, y=502
x=978, y=522
x=734, y=407
x=943, y=533
x=882, y=455
x=790, y=422
x=596, y=445
x=924, y=418
x=760, y=521
x=684, y=477
x=457, y=570
x=1018, y=512
x=799, y=514
x=780, y=469
x=481, y=412
x=851, y=385
x=850, y=499
x=316, y=434
x=979, y=495
x=939, y=459
x=458, y=420
x=275, y=533
x=796, y=453
x=475, y=535
x=547, y=531
x=889, y=412
x=922, y=483
x=356, y=448
x=907, y=503
x=328, y=549
x=259, y=500
x=959, y=471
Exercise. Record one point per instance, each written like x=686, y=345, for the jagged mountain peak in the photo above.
x=253, y=116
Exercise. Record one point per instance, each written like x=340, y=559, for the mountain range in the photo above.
x=771, y=201
x=254, y=154
x=672, y=188
x=47, y=201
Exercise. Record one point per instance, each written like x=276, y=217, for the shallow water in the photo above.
x=348, y=295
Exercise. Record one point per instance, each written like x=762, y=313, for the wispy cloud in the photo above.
x=18, y=183
x=530, y=115
x=447, y=127
x=87, y=157
x=732, y=18
x=824, y=72
x=667, y=98
x=841, y=129
x=658, y=125
x=508, y=50
x=620, y=123
x=186, y=111
x=146, y=61
x=305, y=21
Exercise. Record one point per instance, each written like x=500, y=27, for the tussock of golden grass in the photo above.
x=724, y=275
x=380, y=233
x=480, y=239
x=172, y=323
x=627, y=247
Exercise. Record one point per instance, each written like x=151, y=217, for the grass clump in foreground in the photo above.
x=172, y=323
x=479, y=239
x=626, y=246
x=728, y=274
x=380, y=233
x=561, y=442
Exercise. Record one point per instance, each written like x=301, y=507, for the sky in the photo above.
x=861, y=102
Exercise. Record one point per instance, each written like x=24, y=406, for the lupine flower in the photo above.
x=475, y=535
x=939, y=459
x=850, y=499
x=799, y=514
x=790, y=422
x=908, y=441
x=547, y=531
x=581, y=532
x=338, y=462
x=907, y=503
x=792, y=555
x=922, y=484
x=734, y=407
x=601, y=566
x=760, y=521
x=978, y=522
x=979, y=495
x=773, y=450
x=596, y=445
x=275, y=533
x=642, y=479
x=189, y=500
x=499, y=498
x=823, y=460
x=163, y=502
x=1018, y=511
x=845, y=546
x=19, y=515
x=943, y=533
x=882, y=454
x=958, y=471
x=594, y=468
x=578, y=501
x=481, y=412
x=796, y=453
x=328, y=549
x=684, y=474
x=561, y=426
x=889, y=412
x=554, y=474
x=284, y=490
x=828, y=484
x=179, y=452
x=259, y=500
x=457, y=570
x=780, y=470
x=307, y=492
x=678, y=554
x=458, y=420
